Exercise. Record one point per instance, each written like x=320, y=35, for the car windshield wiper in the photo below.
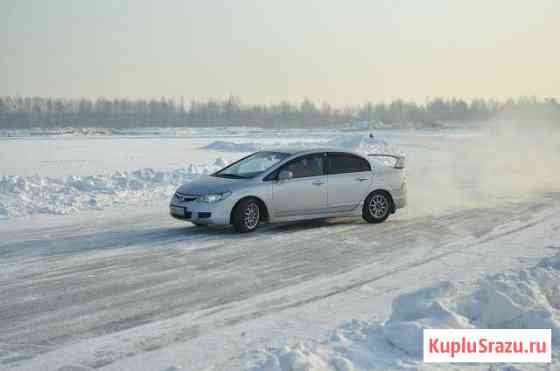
x=233, y=176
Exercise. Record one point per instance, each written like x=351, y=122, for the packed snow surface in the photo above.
x=523, y=299
x=131, y=289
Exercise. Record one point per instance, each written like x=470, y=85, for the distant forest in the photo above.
x=38, y=112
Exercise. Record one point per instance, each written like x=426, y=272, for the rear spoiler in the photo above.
x=399, y=160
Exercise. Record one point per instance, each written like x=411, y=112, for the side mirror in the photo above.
x=285, y=175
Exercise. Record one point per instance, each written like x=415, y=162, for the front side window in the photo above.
x=305, y=166
x=344, y=163
x=252, y=165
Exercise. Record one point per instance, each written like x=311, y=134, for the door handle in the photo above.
x=317, y=183
x=362, y=179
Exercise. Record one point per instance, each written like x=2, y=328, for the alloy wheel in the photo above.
x=378, y=206
x=251, y=215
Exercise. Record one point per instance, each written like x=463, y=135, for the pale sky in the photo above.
x=343, y=52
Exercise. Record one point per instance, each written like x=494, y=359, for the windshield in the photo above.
x=252, y=165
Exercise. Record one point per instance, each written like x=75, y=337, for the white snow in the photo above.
x=25, y=195
x=95, y=131
x=130, y=288
x=526, y=298
x=226, y=146
x=273, y=290
x=362, y=143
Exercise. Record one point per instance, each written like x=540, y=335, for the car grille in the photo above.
x=185, y=197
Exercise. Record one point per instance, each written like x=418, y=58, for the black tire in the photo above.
x=246, y=215
x=377, y=207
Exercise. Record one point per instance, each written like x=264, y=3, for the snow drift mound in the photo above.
x=358, y=143
x=524, y=299
x=65, y=131
x=34, y=194
x=355, y=142
x=224, y=146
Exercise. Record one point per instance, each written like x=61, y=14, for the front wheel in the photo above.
x=246, y=215
x=377, y=207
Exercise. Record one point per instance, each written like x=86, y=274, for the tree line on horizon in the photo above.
x=40, y=112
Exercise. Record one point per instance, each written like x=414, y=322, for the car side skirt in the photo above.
x=357, y=211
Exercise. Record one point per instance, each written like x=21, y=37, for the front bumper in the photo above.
x=201, y=212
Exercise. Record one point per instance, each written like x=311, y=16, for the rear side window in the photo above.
x=340, y=163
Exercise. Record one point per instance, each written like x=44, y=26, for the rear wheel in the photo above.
x=246, y=215
x=377, y=207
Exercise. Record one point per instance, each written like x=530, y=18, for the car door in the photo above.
x=348, y=180
x=305, y=193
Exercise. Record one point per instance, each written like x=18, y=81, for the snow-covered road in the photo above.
x=108, y=289
x=117, y=284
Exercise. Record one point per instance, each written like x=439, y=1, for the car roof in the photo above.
x=301, y=151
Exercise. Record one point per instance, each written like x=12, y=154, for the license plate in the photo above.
x=175, y=210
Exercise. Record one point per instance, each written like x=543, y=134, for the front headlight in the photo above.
x=214, y=197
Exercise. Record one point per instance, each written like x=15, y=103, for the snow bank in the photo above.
x=358, y=143
x=139, y=131
x=66, y=131
x=233, y=147
x=355, y=142
x=21, y=196
x=528, y=298
x=365, y=145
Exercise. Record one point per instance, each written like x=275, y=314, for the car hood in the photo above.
x=210, y=184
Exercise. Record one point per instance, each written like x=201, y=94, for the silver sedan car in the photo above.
x=294, y=184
